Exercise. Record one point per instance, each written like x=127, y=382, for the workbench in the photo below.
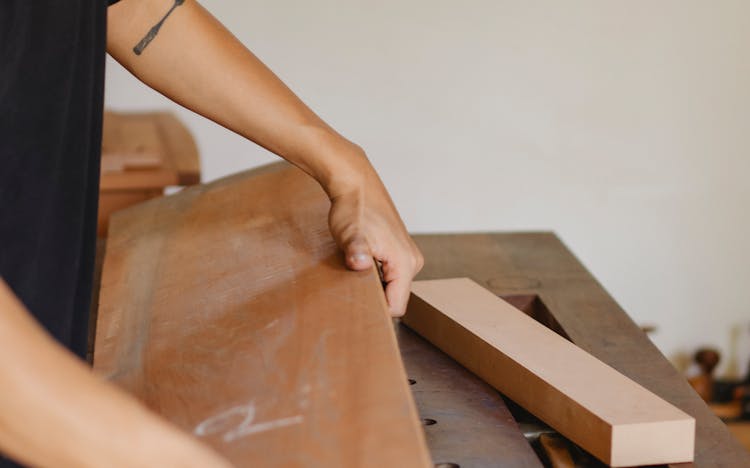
x=207, y=287
x=536, y=272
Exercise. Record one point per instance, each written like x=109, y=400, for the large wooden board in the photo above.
x=227, y=309
x=570, y=299
x=612, y=417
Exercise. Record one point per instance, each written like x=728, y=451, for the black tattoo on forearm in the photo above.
x=138, y=49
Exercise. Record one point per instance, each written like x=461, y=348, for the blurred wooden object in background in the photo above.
x=727, y=398
x=703, y=383
x=142, y=154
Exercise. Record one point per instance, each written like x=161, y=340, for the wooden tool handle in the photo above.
x=707, y=359
x=556, y=449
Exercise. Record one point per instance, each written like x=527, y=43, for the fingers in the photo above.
x=398, y=277
x=376, y=232
x=397, y=274
x=358, y=256
x=397, y=294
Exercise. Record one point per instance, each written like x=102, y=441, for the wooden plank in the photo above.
x=227, y=309
x=537, y=263
x=604, y=412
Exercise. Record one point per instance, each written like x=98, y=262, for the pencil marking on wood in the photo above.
x=246, y=413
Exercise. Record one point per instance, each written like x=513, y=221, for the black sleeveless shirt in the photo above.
x=52, y=56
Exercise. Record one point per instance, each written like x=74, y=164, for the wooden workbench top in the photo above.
x=537, y=269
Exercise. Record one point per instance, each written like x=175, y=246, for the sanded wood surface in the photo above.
x=604, y=412
x=538, y=264
x=227, y=309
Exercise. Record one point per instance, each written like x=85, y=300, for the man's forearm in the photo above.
x=180, y=50
x=192, y=59
x=55, y=413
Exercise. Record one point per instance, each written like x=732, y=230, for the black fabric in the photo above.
x=52, y=56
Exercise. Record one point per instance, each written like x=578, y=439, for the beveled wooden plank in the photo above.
x=539, y=264
x=227, y=309
x=604, y=412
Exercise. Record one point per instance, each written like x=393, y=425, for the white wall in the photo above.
x=623, y=126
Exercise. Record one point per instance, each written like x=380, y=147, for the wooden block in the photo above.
x=227, y=309
x=604, y=412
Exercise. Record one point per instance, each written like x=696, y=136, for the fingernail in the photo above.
x=359, y=258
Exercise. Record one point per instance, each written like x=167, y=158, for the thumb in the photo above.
x=358, y=256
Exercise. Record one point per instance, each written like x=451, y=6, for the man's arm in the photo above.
x=179, y=49
x=55, y=413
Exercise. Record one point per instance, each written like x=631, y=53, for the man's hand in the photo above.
x=180, y=50
x=366, y=226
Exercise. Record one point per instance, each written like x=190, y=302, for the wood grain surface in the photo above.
x=604, y=412
x=227, y=309
x=538, y=264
